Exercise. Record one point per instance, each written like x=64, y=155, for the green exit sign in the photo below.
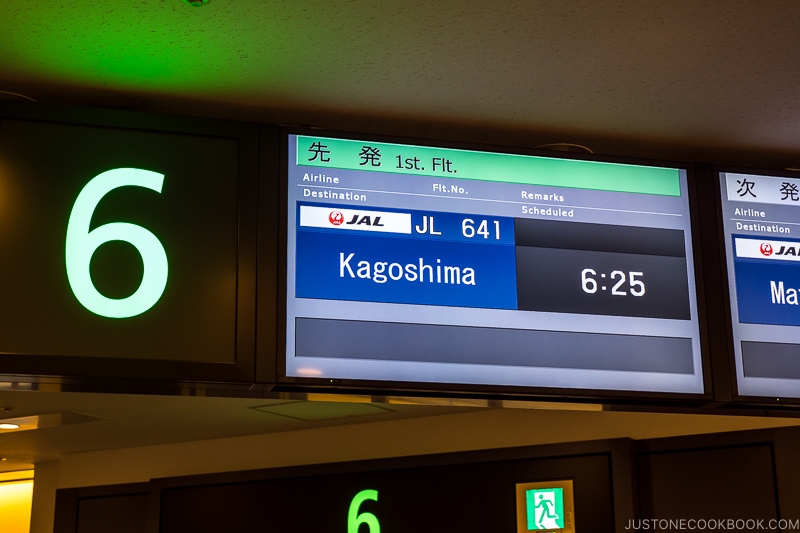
x=545, y=506
x=545, y=509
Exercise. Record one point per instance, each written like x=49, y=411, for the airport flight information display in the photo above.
x=428, y=265
x=761, y=220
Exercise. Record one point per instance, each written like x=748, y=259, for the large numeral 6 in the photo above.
x=354, y=519
x=81, y=245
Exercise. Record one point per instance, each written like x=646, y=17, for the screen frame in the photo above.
x=75, y=372
x=727, y=344
x=291, y=383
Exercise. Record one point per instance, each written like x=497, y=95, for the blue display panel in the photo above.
x=760, y=220
x=767, y=281
x=429, y=266
x=421, y=259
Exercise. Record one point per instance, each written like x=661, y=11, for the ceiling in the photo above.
x=690, y=80
x=693, y=80
x=71, y=422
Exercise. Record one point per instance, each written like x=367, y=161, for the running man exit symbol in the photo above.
x=545, y=509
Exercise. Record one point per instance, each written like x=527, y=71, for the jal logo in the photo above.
x=766, y=249
x=365, y=220
x=336, y=218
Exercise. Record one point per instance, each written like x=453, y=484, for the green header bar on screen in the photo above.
x=485, y=166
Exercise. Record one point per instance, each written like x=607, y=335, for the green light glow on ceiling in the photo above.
x=154, y=45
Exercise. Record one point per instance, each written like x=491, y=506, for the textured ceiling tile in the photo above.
x=685, y=71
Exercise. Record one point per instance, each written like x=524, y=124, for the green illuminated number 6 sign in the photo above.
x=82, y=244
x=354, y=519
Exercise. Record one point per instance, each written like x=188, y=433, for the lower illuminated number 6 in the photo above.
x=354, y=519
x=81, y=245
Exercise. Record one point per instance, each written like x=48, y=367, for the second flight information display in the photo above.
x=760, y=218
x=428, y=265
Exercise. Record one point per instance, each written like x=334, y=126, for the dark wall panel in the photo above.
x=469, y=498
x=420, y=500
x=120, y=514
x=712, y=483
x=787, y=468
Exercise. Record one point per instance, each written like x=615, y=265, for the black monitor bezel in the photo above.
x=726, y=345
x=76, y=372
